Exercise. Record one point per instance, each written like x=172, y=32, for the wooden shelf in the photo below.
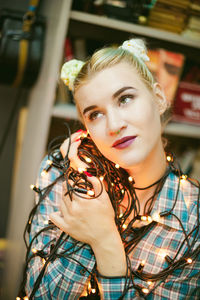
x=68, y=111
x=133, y=28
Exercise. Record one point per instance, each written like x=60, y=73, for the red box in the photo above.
x=187, y=103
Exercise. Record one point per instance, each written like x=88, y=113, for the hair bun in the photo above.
x=69, y=71
x=136, y=47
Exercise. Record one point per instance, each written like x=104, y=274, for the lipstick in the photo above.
x=124, y=142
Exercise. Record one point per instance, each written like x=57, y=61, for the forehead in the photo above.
x=106, y=82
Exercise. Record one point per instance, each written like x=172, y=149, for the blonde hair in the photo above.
x=110, y=56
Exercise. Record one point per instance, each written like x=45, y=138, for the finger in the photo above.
x=65, y=145
x=58, y=221
x=97, y=185
x=66, y=207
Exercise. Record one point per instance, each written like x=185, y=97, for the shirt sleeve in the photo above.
x=64, y=277
x=183, y=284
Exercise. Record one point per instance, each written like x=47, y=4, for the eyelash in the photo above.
x=93, y=115
x=123, y=97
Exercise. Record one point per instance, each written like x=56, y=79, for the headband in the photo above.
x=71, y=68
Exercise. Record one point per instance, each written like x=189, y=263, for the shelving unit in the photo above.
x=132, y=28
x=41, y=109
x=68, y=111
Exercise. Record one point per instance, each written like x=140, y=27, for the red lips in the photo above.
x=123, y=140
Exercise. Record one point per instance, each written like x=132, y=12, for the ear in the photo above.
x=160, y=98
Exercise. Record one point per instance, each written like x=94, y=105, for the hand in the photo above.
x=86, y=220
x=92, y=221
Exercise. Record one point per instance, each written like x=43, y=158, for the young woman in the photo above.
x=129, y=225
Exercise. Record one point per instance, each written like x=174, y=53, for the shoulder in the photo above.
x=48, y=173
x=190, y=190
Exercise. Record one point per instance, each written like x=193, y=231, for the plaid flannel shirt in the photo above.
x=67, y=278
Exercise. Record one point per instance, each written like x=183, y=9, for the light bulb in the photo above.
x=117, y=166
x=189, y=260
x=81, y=170
x=156, y=216
x=145, y=290
x=130, y=179
x=43, y=173
x=88, y=159
x=169, y=158
x=90, y=193
x=162, y=253
x=183, y=178
x=34, y=250
x=32, y=186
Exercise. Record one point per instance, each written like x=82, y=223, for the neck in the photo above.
x=148, y=172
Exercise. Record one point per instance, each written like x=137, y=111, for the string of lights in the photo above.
x=118, y=185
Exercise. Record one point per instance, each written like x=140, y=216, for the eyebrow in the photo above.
x=117, y=93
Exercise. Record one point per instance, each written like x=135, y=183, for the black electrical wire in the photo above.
x=116, y=181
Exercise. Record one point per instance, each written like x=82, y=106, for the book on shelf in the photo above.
x=187, y=104
x=169, y=15
x=166, y=67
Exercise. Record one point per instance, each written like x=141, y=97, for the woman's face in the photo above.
x=121, y=115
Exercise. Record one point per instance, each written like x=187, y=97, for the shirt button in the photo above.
x=82, y=271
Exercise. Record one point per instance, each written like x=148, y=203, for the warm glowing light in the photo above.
x=84, y=135
x=143, y=218
x=26, y=298
x=43, y=173
x=130, y=179
x=122, y=191
x=34, y=250
x=189, y=260
x=101, y=178
x=46, y=222
x=43, y=261
x=183, y=178
x=88, y=159
x=32, y=186
x=162, y=253
x=120, y=215
x=112, y=183
x=81, y=170
x=49, y=162
x=90, y=193
x=117, y=166
x=145, y=290
x=124, y=226
x=142, y=263
x=18, y=298
x=93, y=291
x=169, y=158
x=156, y=216
x=149, y=282
x=149, y=219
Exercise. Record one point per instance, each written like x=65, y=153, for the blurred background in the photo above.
x=36, y=38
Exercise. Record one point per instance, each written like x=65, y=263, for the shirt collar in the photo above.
x=166, y=200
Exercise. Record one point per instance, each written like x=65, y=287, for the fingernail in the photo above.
x=87, y=173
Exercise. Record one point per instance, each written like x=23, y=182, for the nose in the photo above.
x=115, y=122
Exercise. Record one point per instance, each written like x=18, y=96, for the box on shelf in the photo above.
x=187, y=103
x=166, y=67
